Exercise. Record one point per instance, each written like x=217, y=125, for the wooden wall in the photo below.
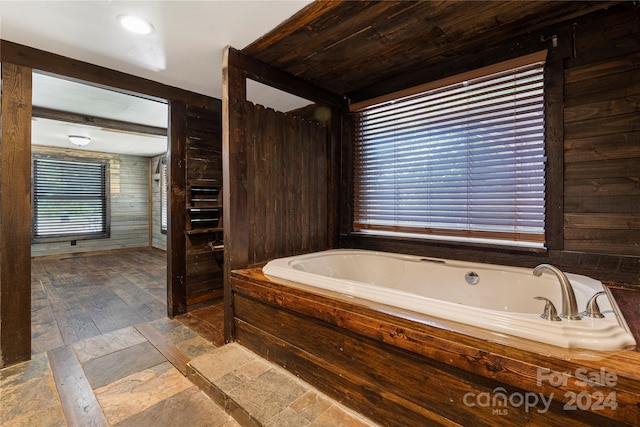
x=158, y=239
x=286, y=184
x=597, y=92
x=602, y=138
x=195, y=216
x=279, y=176
x=129, y=180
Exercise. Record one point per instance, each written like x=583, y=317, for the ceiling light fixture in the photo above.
x=135, y=24
x=79, y=140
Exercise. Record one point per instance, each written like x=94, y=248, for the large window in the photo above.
x=465, y=161
x=70, y=199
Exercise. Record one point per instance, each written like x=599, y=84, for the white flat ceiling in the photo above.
x=65, y=95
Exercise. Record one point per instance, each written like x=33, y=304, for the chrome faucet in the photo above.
x=569, y=305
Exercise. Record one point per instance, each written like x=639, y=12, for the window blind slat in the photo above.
x=463, y=160
x=69, y=198
x=163, y=195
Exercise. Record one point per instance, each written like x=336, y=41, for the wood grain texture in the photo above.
x=176, y=244
x=602, y=156
x=207, y=322
x=554, y=147
x=371, y=358
x=15, y=215
x=234, y=171
x=69, y=117
x=63, y=66
x=348, y=46
x=203, y=171
x=195, y=164
x=277, y=168
x=166, y=348
x=79, y=404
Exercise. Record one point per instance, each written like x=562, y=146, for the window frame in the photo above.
x=554, y=174
x=105, y=234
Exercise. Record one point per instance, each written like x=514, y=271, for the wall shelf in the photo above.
x=203, y=231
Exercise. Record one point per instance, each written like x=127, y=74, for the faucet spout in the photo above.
x=569, y=304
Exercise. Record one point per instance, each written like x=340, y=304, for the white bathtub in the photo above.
x=502, y=300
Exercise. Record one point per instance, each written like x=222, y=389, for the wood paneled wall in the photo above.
x=195, y=171
x=286, y=184
x=602, y=138
x=596, y=93
x=205, y=239
x=280, y=194
x=129, y=211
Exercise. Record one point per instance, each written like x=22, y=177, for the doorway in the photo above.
x=15, y=245
x=98, y=241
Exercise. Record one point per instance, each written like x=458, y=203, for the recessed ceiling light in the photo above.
x=135, y=24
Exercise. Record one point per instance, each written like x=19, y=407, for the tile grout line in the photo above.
x=79, y=404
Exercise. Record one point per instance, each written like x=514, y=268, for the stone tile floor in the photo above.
x=128, y=382
x=133, y=383
x=259, y=393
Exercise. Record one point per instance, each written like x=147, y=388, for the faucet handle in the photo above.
x=593, y=310
x=550, y=312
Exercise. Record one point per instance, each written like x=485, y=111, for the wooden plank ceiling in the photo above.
x=351, y=47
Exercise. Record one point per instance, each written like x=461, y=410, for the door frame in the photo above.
x=15, y=290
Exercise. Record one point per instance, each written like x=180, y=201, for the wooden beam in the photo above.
x=300, y=20
x=265, y=73
x=554, y=143
x=176, y=267
x=334, y=168
x=85, y=72
x=234, y=177
x=170, y=351
x=110, y=124
x=15, y=215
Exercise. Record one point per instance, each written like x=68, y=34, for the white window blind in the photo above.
x=163, y=195
x=464, y=161
x=69, y=198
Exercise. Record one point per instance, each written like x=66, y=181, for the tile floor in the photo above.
x=123, y=379
x=259, y=393
x=128, y=383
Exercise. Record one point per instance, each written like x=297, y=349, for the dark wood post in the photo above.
x=15, y=216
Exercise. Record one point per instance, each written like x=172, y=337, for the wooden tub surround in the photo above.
x=401, y=368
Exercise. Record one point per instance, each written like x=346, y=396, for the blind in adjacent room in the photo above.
x=163, y=195
x=69, y=198
x=464, y=161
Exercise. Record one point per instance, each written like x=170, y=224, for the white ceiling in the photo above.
x=184, y=50
x=65, y=95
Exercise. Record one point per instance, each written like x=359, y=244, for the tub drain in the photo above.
x=472, y=278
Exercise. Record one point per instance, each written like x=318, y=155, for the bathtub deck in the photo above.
x=401, y=368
